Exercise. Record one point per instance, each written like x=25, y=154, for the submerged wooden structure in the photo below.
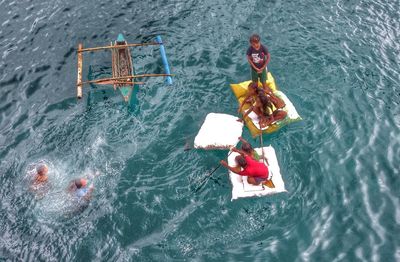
x=123, y=73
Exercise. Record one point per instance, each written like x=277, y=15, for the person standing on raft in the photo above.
x=258, y=58
x=255, y=171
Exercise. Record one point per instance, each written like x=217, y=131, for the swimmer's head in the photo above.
x=81, y=182
x=241, y=161
x=42, y=170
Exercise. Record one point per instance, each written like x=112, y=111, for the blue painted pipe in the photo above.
x=168, y=79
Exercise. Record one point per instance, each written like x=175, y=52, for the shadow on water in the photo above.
x=106, y=94
x=336, y=60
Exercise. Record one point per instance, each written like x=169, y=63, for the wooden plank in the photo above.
x=124, y=77
x=115, y=47
x=79, y=80
x=113, y=64
x=130, y=62
x=125, y=68
x=116, y=82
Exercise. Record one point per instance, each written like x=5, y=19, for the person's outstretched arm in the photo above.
x=239, y=151
x=242, y=140
x=251, y=109
x=235, y=169
x=246, y=100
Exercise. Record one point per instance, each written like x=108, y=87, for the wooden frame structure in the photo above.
x=123, y=74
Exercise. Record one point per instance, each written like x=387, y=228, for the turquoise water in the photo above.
x=337, y=61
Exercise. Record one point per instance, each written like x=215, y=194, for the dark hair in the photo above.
x=78, y=183
x=254, y=38
x=253, y=86
x=264, y=100
x=41, y=168
x=246, y=147
x=241, y=161
x=265, y=103
x=260, y=90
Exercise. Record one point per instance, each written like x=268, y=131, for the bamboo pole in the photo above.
x=113, y=64
x=130, y=83
x=115, y=46
x=79, y=80
x=121, y=83
x=124, y=77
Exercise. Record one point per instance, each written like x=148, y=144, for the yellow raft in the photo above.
x=240, y=91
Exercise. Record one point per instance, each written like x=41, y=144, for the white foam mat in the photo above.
x=241, y=188
x=219, y=131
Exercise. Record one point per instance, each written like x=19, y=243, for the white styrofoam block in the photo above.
x=219, y=131
x=240, y=186
x=289, y=107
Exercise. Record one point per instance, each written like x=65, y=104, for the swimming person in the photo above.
x=80, y=191
x=39, y=183
x=255, y=171
x=80, y=194
x=41, y=175
x=258, y=58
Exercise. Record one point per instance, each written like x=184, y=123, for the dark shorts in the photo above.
x=255, y=76
x=260, y=179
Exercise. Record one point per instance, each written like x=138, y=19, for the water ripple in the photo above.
x=337, y=61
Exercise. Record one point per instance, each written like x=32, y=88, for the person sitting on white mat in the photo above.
x=256, y=172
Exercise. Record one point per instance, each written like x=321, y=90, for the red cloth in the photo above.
x=254, y=168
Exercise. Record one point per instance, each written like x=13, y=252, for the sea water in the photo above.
x=337, y=61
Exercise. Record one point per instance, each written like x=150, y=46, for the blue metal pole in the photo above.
x=168, y=79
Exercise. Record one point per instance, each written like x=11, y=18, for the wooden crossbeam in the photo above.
x=122, y=77
x=111, y=82
x=114, y=47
